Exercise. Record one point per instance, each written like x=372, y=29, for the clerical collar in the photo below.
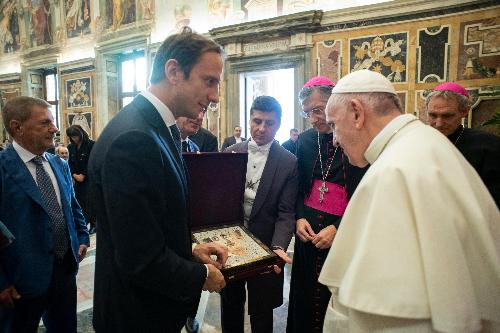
x=252, y=145
x=455, y=136
x=381, y=140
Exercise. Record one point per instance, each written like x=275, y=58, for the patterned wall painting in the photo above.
x=79, y=93
x=479, y=50
x=78, y=17
x=84, y=119
x=329, y=58
x=12, y=32
x=386, y=54
x=432, y=53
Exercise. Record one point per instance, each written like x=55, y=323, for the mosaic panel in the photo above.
x=432, y=54
x=329, y=58
x=479, y=49
x=386, y=54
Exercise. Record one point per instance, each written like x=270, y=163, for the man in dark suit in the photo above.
x=269, y=206
x=147, y=277
x=205, y=140
x=291, y=144
x=187, y=128
x=38, y=206
x=236, y=138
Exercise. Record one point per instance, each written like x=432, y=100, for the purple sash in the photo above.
x=334, y=200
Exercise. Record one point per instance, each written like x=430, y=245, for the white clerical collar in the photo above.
x=163, y=110
x=382, y=139
x=253, y=145
x=24, y=154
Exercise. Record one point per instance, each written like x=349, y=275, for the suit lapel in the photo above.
x=16, y=168
x=266, y=179
x=165, y=137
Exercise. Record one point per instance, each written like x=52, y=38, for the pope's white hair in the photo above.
x=382, y=103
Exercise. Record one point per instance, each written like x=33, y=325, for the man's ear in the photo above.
x=358, y=112
x=464, y=113
x=173, y=71
x=15, y=127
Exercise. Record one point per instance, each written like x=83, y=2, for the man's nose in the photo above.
x=214, y=95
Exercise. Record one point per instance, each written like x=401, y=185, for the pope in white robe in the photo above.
x=418, y=249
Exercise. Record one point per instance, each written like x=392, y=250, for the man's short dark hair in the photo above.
x=235, y=127
x=186, y=48
x=266, y=104
x=19, y=108
x=294, y=130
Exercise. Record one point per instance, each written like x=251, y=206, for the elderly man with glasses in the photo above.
x=327, y=180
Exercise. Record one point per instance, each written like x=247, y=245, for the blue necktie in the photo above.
x=54, y=209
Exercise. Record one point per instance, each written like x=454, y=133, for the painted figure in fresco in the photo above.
x=77, y=17
x=9, y=27
x=118, y=13
x=40, y=21
x=182, y=16
x=148, y=9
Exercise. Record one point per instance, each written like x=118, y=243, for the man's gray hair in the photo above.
x=19, y=108
x=324, y=91
x=463, y=101
x=382, y=103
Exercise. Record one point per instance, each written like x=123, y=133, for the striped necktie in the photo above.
x=54, y=209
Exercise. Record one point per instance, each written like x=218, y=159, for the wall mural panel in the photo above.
x=78, y=17
x=12, y=31
x=40, y=22
x=328, y=55
x=120, y=12
x=479, y=50
x=79, y=93
x=432, y=53
x=78, y=96
x=386, y=54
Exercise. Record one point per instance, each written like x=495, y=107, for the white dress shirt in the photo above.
x=257, y=158
x=163, y=110
x=26, y=156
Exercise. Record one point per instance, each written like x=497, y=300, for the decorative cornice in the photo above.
x=280, y=26
x=397, y=12
x=10, y=78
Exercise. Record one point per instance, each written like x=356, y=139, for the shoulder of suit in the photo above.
x=285, y=154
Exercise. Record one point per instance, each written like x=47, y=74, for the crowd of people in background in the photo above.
x=396, y=222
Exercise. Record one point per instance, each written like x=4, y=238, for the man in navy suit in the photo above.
x=147, y=277
x=272, y=182
x=38, y=205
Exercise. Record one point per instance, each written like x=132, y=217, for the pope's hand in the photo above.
x=304, y=231
x=215, y=280
x=324, y=238
x=202, y=253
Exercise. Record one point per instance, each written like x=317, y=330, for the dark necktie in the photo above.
x=54, y=209
x=177, y=137
x=185, y=147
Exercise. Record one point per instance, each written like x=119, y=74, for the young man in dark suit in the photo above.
x=231, y=140
x=269, y=206
x=147, y=277
x=38, y=206
x=205, y=140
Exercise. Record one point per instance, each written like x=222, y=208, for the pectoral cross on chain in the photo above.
x=322, y=190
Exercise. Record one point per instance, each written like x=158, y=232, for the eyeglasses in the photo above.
x=316, y=112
